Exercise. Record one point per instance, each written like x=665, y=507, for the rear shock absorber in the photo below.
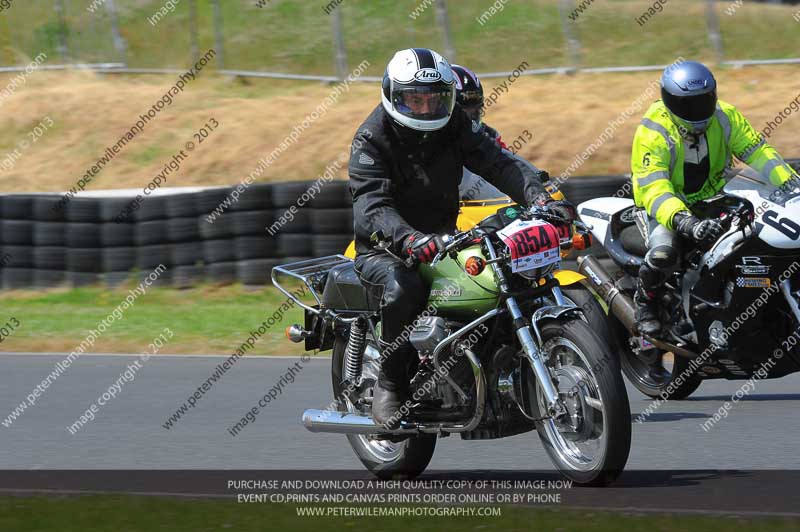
x=354, y=352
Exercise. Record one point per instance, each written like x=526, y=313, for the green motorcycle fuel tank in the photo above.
x=457, y=294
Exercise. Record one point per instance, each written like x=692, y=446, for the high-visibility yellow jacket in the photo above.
x=658, y=155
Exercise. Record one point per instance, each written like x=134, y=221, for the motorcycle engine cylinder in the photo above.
x=427, y=333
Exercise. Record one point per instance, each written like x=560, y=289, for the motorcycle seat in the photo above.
x=633, y=241
x=625, y=244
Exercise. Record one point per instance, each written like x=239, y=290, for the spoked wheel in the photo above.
x=675, y=380
x=590, y=443
x=386, y=459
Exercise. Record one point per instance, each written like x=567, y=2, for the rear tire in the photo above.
x=385, y=459
x=636, y=371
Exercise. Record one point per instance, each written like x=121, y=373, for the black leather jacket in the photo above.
x=399, y=189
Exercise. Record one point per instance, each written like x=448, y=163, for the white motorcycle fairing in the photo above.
x=598, y=213
x=777, y=211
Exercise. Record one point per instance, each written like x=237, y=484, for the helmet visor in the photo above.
x=470, y=98
x=692, y=108
x=424, y=103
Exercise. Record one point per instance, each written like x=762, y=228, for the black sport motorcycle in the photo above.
x=731, y=307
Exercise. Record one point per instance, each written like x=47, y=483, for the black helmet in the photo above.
x=469, y=92
x=418, y=92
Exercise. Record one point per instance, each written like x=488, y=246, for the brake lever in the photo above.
x=450, y=243
x=546, y=214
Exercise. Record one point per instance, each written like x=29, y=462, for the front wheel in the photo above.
x=590, y=443
x=593, y=312
x=386, y=459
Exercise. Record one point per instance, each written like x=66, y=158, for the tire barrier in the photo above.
x=87, y=242
x=200, y=234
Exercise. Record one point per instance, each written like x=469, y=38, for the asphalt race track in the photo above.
x=760, y=432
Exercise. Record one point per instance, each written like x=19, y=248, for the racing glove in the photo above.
x=695, y=229
x=562, y=208
x=423, y=247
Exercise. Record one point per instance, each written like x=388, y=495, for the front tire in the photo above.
x=591, y=445
x=593, y=312
x=386, y=459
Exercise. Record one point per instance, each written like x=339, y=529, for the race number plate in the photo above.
x=533, y=244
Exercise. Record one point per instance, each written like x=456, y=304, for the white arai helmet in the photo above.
x=418, y=90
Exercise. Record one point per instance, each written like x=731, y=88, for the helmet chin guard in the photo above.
x=688, y=127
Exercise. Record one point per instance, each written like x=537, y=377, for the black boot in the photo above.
x=391, y=389
x=646, y=311
x=387, y=398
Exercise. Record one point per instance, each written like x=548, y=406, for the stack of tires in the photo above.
x=139, y=242
x=198, y=234
x=270, y=224
x=236, y=245
x=331, y=219
x=17, y=233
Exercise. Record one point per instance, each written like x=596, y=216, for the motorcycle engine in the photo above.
x=427, y=334
x=429, y=384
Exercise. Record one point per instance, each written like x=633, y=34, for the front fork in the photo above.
x=786, y=290
x=523, y=331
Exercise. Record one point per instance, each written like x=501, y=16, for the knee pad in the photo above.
x=661, y=257
x=651, y=277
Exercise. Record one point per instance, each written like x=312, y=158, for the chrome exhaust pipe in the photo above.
x=619, y=304
x=339, y=422
x=347, y=423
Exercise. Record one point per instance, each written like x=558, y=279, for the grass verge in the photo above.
x=204, y=319
x=131, y=513
x=295, y=36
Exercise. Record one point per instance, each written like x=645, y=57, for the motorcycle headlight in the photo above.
x=538, y=273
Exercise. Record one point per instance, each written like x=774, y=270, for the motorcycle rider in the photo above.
x=469, y=95
x=681, y=150
x=405, y=166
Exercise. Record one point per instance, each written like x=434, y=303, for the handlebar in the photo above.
x=451, y=243
x=454, y=242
